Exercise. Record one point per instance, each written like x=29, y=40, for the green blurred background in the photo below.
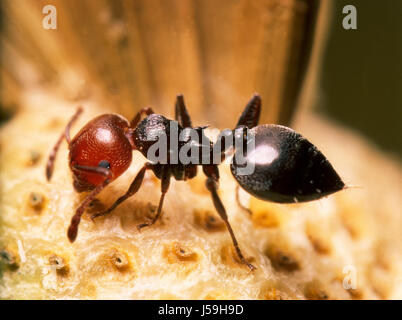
x=361, y=77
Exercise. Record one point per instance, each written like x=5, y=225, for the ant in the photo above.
x=287, y=167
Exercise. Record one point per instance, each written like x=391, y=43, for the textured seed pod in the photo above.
x=289, y=244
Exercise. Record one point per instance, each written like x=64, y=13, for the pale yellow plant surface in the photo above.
x=301, y=251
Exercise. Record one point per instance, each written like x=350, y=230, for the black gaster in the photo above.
x=288, y=168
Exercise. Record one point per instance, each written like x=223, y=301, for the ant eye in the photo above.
x=104, y=164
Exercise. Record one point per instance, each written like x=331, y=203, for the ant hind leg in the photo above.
x=251, y=113
x=212, y=174
x=242, y=206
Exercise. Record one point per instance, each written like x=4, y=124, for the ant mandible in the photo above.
x=287, y=167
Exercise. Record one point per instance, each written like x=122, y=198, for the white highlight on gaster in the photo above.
x=263, y=155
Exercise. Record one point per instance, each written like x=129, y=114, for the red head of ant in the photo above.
x=287, y=167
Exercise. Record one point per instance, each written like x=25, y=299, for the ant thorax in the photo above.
x=165, y=141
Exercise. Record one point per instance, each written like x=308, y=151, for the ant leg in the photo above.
x=66, y=135
x=212, y=174
x=190, y=171
x=239, y=203
x=137, y=117
x=165, y=182
x=251, y=114
x=224, y=144
x=181, y=114
x=134, y=187
x=75, y=221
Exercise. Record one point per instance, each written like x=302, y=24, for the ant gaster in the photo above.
x=102, y=150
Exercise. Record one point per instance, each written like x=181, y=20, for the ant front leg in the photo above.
x=165, y=182
x=212, y=173
x=75, y=221
x=66, y=135
x=137, y=117
x=134, y=187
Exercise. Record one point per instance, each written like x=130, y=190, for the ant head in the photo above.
x=286, y=167
x=101, y=143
